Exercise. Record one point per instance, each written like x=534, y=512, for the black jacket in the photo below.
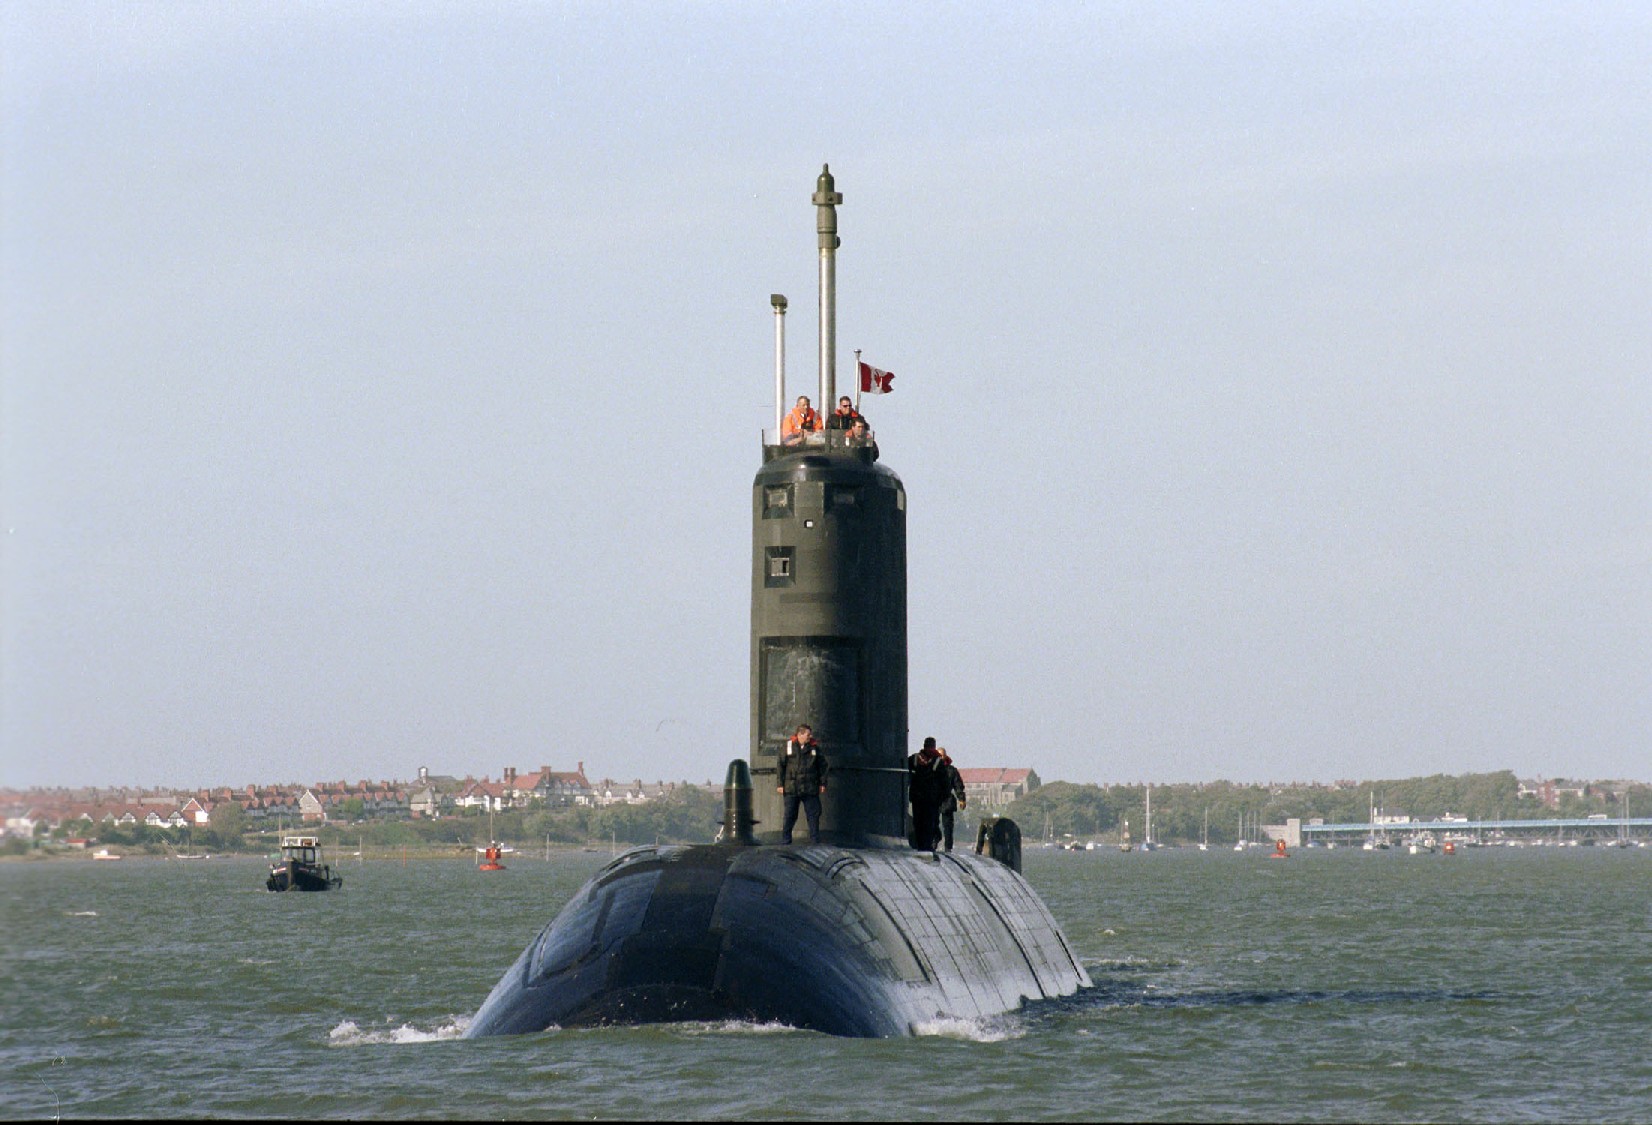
x=954, y=787
x=929, y=784
x=802, y=768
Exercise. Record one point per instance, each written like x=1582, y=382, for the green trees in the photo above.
x=228, y=823
x=1179, y=811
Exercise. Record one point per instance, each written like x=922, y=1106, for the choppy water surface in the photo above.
x=1490, y=985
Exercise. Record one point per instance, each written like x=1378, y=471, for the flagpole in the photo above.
x=857, y=380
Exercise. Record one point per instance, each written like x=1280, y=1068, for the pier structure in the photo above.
x=1568, y=830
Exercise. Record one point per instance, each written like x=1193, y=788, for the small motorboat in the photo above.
x=301, y=868
x=490, y=857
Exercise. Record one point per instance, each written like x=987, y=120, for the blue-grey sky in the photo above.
x=383, y=382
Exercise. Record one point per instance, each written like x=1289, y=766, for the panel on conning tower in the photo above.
x=815, y=680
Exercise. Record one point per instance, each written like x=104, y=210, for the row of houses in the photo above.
x=994, y=788
x=547, y=788
x=1549, y=790
x=27, y=813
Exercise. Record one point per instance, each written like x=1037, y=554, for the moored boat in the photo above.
x=490, y=857
x=301, y=868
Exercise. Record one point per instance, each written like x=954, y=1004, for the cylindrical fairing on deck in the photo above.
x=778, y=302
x=828, y=636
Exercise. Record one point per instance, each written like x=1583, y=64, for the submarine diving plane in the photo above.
x=859, y=935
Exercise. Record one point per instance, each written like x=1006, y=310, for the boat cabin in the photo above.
x=304, y=849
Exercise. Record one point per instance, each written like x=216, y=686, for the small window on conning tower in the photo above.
x=777, y=566
x=777, y=502
x=840, y=496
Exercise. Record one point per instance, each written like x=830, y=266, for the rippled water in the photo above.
x=1490, y=985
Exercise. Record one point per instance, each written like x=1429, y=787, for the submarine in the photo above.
x=859, y=934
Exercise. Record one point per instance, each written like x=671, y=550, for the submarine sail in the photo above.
x=859, y=934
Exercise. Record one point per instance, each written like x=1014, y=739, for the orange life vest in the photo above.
x=802, y=418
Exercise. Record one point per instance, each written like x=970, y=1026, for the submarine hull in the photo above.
x=854, y=942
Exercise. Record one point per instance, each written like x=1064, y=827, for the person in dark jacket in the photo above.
x=802, y=776
x=844, y=417
x=954, y=799
x=860, y=437
x=927, y=789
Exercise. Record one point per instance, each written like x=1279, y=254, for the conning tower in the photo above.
x=828, y=603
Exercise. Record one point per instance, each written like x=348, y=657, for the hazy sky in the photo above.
x=383, y=382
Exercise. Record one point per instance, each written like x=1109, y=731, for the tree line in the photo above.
x=1180, y=812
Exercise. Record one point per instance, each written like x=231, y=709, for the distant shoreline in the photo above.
x=374, y=855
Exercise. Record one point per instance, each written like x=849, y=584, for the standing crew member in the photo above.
x=927, y=787
x=954, y=799
x=802, y=775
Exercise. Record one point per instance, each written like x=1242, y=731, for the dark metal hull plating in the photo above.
x=862, y=942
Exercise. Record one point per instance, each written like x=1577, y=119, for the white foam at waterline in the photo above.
x=350, y=1034
x=977, y=1031
x=737, y=1027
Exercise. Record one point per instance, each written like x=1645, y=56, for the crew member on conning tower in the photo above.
x=802, y=773
x=801, y=421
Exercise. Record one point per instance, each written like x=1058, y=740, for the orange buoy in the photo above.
x=1279, y=851
x=1450, y=848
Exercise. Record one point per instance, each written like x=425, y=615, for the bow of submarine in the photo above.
x=672, y=934
x=861, y=943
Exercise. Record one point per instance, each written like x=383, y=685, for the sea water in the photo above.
x=1336, y=985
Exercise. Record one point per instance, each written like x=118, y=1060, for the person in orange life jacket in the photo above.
x=954, y=800
x=927, y=788
x=802, y=420
x=845, y=416
x=802, y=776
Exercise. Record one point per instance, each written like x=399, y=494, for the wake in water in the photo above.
x=1138, y=996
x=350, y=1034
x=994, y=1029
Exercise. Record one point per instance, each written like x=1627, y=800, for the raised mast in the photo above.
x=826, y=201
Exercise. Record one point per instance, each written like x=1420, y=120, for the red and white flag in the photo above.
x=875, y=382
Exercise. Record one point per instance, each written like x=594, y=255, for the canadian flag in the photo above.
x=875, y=382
